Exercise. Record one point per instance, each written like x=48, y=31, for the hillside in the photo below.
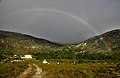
x=21, y=43
x=106, y=42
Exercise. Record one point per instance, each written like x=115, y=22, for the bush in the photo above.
x=12, y=70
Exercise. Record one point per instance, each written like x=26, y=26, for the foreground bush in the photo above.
x=12, y=70
x=81, y=70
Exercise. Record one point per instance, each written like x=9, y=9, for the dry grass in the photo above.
x=81, y=70
x=12, y=70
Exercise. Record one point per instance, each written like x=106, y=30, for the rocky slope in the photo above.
x=21, y=43
x=106, y=42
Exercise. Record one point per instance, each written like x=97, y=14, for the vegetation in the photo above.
x=69, y=64
x=76, y=56
x=86, y=69
x=12, y=70
x=23, y=44
x=79, y=65
x=97, y=57
x=106, y=42
x=6, y=55
x=54, y=55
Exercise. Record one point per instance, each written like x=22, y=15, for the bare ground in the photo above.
x=38, y=72
x=33, y=71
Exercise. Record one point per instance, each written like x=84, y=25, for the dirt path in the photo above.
x=33, y=71
x=38, y=72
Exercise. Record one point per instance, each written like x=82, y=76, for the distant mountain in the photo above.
x=106, y=42
x=21, y=43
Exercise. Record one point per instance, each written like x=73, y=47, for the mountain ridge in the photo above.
x=22, y=43
x=106, y=42
x=25, y=43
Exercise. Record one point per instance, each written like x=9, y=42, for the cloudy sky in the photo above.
x=61, y=21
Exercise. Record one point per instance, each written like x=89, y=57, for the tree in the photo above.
x=6, y=55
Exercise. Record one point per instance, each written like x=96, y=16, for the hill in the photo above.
x=21, y=43
x=106, y=42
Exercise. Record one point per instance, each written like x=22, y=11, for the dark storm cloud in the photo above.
x=63, y=21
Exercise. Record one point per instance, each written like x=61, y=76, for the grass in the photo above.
x=66, y=69
x=99, y=69
x=12, y=70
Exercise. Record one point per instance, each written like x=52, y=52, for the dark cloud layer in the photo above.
x=62, y=21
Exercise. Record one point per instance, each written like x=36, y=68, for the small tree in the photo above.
x=6, y=55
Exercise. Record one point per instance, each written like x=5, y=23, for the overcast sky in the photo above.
x=61, y=21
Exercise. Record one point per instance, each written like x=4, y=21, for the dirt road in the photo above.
x=38, y=72
x=33, y=71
